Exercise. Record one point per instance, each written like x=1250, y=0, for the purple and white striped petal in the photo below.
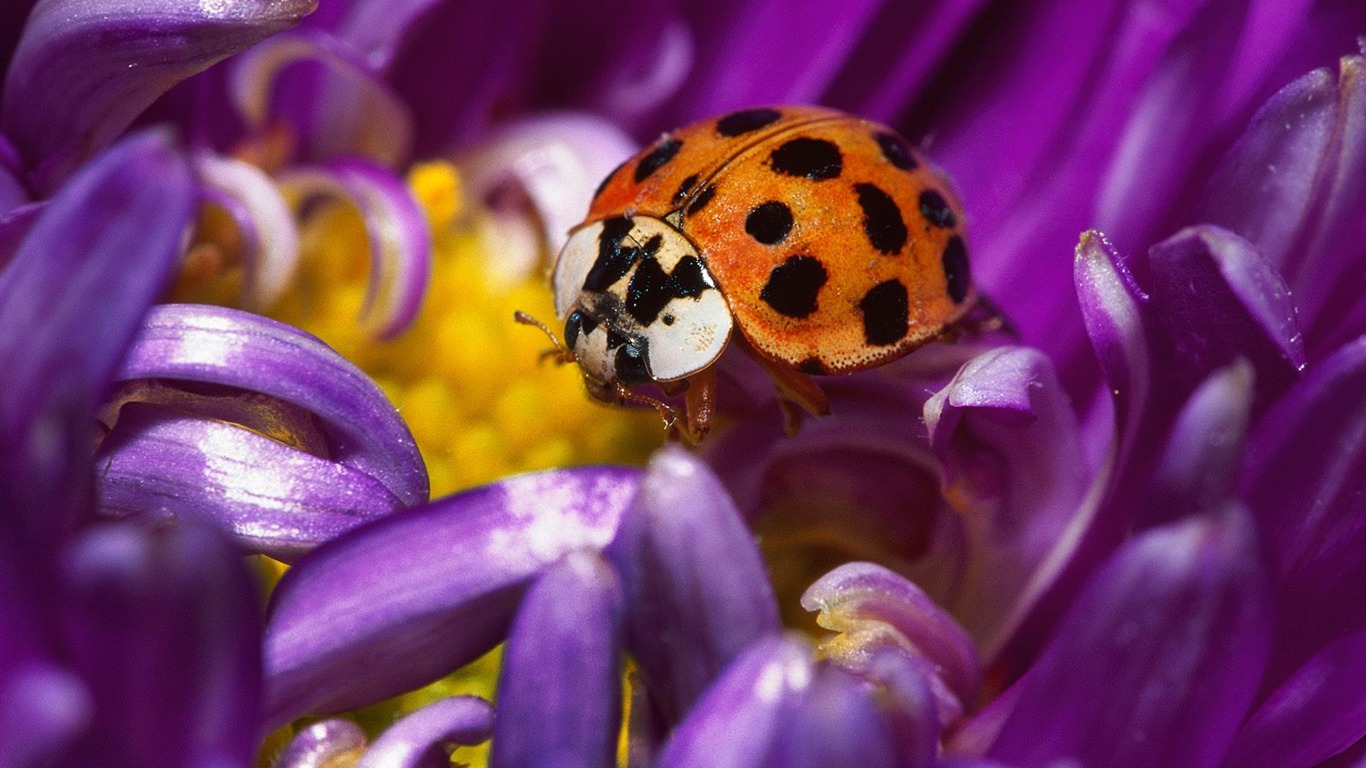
x=164, y=626
x=262, y=217
x=1004, y=410
x=414, y=596
x=84, y=69
x=418, y=739
x=323, y=744
x=348, y=109
x=1303, y=482
x=273, y=498
x=229, y=347
x=70, y=312
x=737, y=721
x=559, y=692
x=696, y=589
x=399, y=237
x=1168, y=640
x=875, y=610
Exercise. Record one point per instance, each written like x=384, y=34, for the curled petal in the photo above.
x=264, y=220
x=1304, y=483
x=273, y=498
x=1168, y=640
x=400, y=241
x=414, y=596
x=121, y=223
x=418, y=739
x=737, y=721
x=84, y=70
x=177, y=600
x=1317, y=713
x=348, y=110
x=554, y=162
x=875, y=610
x=837, y=723
x=1004, y=410
x=216, y=345
x=322, y=744
x=696, y=589
x=560, y=689
x=1199, y=467
x=14, y=227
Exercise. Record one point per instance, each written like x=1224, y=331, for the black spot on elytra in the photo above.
x=792, y=286
x=651, y=289
x=614, y=257
x=955, y=260
x=608, y=178
x=886, y=313
x=895, y=149
x=630, y=365
x=815, y=159
x=769, y=222
x=572, y=325
x=882, y=220
x=663, y=152
x=744, y=121
x=701, y=199
x=935, y=208
x=811, y=365
x=684, y=189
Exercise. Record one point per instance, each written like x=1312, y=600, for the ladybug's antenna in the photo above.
x=560, y=353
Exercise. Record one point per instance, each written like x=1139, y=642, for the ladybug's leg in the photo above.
x=797, y=393
x=700, y=405
x=667, y=414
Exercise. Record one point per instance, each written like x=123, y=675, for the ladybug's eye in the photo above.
x=572, y=326
x=630, y=365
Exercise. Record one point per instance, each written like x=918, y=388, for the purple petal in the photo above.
x=346, y=110
x=836, y=723
x=736, y=722
x=1315, y=714
x=907, y=697
x=44, y=709
x=376, y=29
x=228, y=347
x=164, y=625
x=84, y=70
x=321, y=744
x=120, y=224
x=1292, y=186
x=264, y=220
x=400, y=241
x=696, y=589
x=414, y=596
x=875, y=609
x=417, y=740
x=560, y=689
x=14, y=227
x=1006, y=409
x=1168, y=640
x=1199, y=467
x=273, y=498
x=1303, y=482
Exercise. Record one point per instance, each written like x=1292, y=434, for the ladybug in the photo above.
x=825, y=239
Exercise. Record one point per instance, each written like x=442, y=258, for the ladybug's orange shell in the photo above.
x=866, y=260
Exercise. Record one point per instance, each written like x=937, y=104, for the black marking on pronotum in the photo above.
x=588, y=322
x=651, y=289
x=895, y=149
x=663, y=152
x=629, y=364
x=572, y=326
x=956, y=269
x=792, y=286
x=684, y=188
x=882, y=220
x=936, y=209
x=614, y=258
x=769, y=222
x=701, y=199
x=815, y=159
x=616, y=338
x=886, y=313
x=744, y=121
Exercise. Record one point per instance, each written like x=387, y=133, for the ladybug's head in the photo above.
x=638, y=303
